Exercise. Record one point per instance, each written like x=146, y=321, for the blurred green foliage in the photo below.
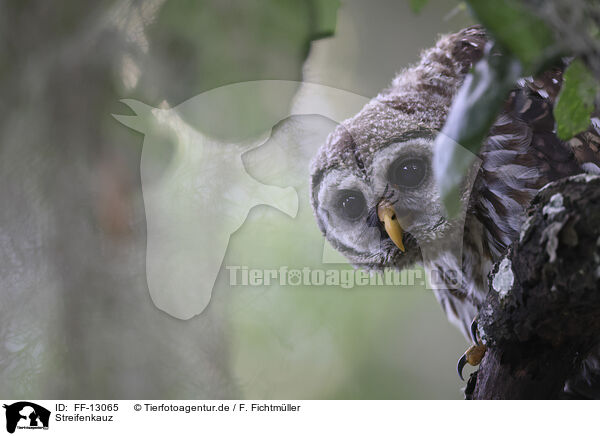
x=471, y=116
x=417, y=5
x=528, y=46
x=518, y=31
x=212, y=43
x=576, y=100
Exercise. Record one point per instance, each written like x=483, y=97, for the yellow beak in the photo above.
x=387, y=216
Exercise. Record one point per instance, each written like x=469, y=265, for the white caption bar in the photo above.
x=297, y=417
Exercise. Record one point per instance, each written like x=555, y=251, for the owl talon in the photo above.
x=472, y=356
x=461, y=364
x=474, y=333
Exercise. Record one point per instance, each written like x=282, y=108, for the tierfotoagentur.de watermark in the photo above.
x=345, y=278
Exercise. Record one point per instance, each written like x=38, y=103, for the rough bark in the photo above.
x=542, y=314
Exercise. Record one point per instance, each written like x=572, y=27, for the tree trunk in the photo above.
x=542, y=315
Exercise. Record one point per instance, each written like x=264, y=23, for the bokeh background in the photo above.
x=76, y=317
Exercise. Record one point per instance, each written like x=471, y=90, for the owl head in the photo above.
x=372, y=186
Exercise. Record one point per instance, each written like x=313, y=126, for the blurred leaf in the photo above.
x=518, y=31
x=458, y=9
x=472, y=114
x=326, y=18
x=205, y=45
x=575, y=101
x=417, y=5
x=528, y=46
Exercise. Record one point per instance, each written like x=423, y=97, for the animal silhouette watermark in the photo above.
x=196, y=186
x=26, y=415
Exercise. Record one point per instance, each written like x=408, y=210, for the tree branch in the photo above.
x=542, y=315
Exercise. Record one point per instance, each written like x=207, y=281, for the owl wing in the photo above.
x=520, y=156
x=585, y=145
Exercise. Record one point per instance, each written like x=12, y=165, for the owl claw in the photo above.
x=474, y=334
x=461, y=364
x=472, y=356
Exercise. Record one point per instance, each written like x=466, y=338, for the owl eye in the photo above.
x=351, y=204
x=408, y=173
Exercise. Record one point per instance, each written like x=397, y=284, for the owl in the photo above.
x=373, y=191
